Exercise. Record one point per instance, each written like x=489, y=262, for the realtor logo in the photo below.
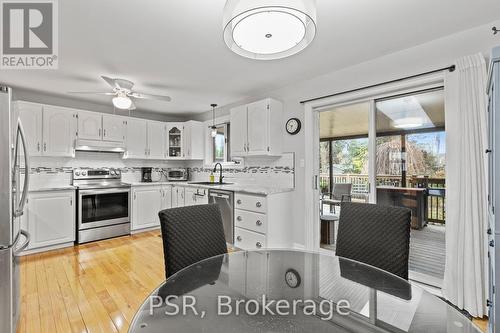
x=29, y=34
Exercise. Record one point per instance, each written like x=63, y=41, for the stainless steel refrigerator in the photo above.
x=13, y=192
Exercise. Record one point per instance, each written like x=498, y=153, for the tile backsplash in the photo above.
x=53, y=172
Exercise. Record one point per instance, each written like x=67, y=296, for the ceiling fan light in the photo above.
x=269, y=29
x=122, y=102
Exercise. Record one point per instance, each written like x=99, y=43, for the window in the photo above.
x=220, y=144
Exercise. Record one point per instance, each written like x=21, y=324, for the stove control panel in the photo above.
x=97, y=174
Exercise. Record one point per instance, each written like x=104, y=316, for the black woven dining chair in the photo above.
x=375, y=235
x=191, y=234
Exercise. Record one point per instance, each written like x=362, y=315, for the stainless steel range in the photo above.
x=103, y=209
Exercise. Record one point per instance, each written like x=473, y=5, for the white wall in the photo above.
x=429, y=56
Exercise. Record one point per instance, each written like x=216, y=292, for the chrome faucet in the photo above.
x=220, y=175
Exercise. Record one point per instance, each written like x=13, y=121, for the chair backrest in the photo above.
x=191, y=234
x=375, y=235
x=340, y=189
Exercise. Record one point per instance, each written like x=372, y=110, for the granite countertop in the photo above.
x=243, y=188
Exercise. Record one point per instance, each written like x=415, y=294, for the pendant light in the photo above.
x=269, y=29
x=213, y=127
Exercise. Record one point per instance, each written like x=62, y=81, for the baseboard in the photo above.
x=138, y=231
x=47, y=248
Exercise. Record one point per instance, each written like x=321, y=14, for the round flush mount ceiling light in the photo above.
x=408, y=123
x=269, y=29
x=122, y=102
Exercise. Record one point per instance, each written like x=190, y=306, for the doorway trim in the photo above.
x=312, y=140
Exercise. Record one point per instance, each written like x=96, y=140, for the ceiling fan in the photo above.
x=123, y=94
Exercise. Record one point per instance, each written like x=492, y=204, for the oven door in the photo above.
x=103, y=207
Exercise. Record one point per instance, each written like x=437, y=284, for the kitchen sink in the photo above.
x=209, y=183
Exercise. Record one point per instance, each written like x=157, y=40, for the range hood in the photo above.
x=100, y=146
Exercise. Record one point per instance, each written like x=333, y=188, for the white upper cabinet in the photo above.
x=89, y=125
x=137, y=131
x=113, y=128
x=194, y=145
x=156, y=140
x=50, y=130
x=257, y=129
x=238, y=132
x=101, y=127
x=59, y=131
x=31, y=118
x=175, y=141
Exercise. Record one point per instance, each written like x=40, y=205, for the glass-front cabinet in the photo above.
x=175, y=140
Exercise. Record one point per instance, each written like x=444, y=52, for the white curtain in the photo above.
x=466, y=279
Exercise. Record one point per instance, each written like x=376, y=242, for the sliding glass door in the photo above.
x=388, y=151
x=410, y=173
x=344, y=163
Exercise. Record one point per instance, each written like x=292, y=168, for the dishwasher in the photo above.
x=225, y=201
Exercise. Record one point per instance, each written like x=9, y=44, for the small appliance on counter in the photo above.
x=178, y=174
x=146, y=175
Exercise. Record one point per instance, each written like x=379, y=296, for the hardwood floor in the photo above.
x=95, y=287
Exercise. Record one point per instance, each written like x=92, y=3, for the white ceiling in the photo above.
x=175, y=47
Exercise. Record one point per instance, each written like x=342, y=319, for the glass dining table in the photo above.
x=292, y=291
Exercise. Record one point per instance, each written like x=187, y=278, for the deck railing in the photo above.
x=436, y=210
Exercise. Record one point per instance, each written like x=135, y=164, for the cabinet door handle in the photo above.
x=135, y=196
x=238, y=202
x=239, y=218
x=45, y=146
x=71, y=202
x=239, y=239
x=38, y=146
x=104, y=132
x=258, y=204
x=258, y=244
x=488, y=151
x=259, y=223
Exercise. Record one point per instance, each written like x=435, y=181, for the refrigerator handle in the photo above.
x=20, y=133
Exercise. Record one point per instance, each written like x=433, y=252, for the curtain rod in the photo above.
x=449, y=68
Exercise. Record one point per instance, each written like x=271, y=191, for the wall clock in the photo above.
x=293, y=126
x=292, y=278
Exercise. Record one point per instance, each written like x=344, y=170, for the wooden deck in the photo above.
x=427, y=251
x=427, y=254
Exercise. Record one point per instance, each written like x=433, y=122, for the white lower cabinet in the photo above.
x=248, y=240
x=50, y=219
x=147, y=202
x=262, y=221
x=195, y=196
x=178, y=195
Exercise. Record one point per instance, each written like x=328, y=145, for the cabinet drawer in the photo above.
x=250, y=202
x=248, y=240
x=249, y=220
